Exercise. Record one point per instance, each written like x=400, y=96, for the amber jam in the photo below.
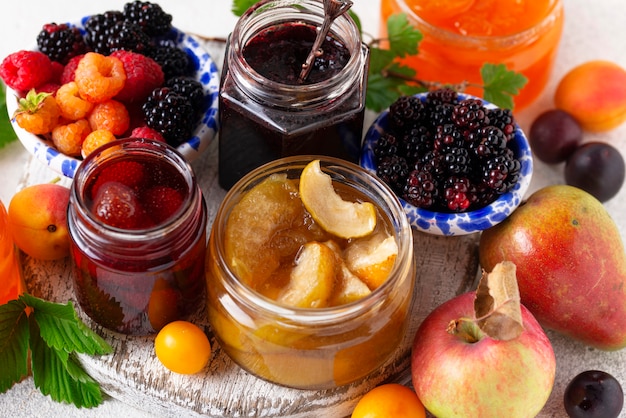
x=306, y=324
x=137, y=221
x=266, y=112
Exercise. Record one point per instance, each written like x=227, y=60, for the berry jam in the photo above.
x=266, y=113
x=138, y=228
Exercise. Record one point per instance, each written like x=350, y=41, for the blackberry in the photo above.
x=60, y=42
x=447, y=136
x=487, y=141
x=405, y=113
x=421, y=189
x=99, y=29
x=393, y=170
x=440, y=114
x=169, y=113
x=190, y=88
x=416, y=143
x=459, y=193
x=386, y=146
x=445, y=95
x=503, y=119
x=456, y=160
x=173, y=61
x=469, y=114
x=150, y=17
x=500, y=173
x=128, y=36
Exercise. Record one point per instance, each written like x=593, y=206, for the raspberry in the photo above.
x=24, y=70
x=72, y=106
x=50, y=87
x=117, y=205
x=68, y=138
x=99, y=77
x=129, y=173
x=61, y=42
x=37, y=113
x=143, y=75
x=69, y=69
x=161, y=202
x=170, y=114
x=147, y=133
x=95, y=139
x=149, y=16
x=110, y=115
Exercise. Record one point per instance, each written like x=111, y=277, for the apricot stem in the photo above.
x=466, y=329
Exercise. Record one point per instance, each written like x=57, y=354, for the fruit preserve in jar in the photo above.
x=137, y=222
x=459, y=36
x=266, y=110
x=11, y=282
x=310, y=272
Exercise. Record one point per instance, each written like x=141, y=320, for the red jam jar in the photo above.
x=137, y=222
x=266, y=112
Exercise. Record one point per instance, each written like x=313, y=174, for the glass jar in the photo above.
x=311, y=348
x=11, y=282
x=264, y=113
x=135, y=281
x=452, y=51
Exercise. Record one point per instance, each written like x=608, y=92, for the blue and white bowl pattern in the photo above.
x=205, y=71
x=443, y=223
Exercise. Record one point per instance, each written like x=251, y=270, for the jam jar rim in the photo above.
x=306, y=95
x=501, y=41
x=143, y=234
x=403, y=269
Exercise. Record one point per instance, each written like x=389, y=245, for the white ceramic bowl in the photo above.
x=206, y=72
x=463, y=223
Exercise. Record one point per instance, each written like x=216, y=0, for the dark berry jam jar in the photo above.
x=266, y=111
x=137, y=222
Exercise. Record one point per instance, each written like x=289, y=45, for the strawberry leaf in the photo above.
x=497, y=304
x=57, y=374
x=14, y=340
x=500, y=84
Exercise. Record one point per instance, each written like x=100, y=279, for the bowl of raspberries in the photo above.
x=121, y=73
x=458, y=164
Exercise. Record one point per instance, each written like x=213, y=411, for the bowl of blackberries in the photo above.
x=458, y=164
x=112, y=75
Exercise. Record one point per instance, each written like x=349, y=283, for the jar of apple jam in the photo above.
x=137, y=222
x=299, y=293
x=266, y=110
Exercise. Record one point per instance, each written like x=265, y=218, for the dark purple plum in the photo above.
x=597, y=168
x=593, y=394
x=554, y=135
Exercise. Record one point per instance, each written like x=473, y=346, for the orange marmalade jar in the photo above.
x=459, y=36
x=11, y=283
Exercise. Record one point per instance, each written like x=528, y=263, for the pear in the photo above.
x=571, y=265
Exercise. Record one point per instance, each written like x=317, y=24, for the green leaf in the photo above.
x=57, y=373
x=61, y=328
x=380, y=60
x=384, y=88
x=239, y=7
x=7, y=134
x=403, y=37
x=500, y=84
x=14, y=340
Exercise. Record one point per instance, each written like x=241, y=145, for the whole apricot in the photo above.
x=595, y=94
x=38, y=221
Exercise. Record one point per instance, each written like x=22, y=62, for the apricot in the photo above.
x=38, y=221
x=594, y=93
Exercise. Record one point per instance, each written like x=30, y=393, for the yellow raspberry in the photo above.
x=73, y=107
x=95, y=139
x=69, y=138
x=37, y=113
x=99, y=77
x=110, y=115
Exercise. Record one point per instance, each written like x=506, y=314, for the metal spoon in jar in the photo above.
x=332, y=10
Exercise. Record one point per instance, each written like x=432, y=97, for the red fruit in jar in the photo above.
x=161, y=202
x=117, y=205
x=129, y=173
x=24, y=70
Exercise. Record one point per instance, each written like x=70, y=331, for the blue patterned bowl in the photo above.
x=442, y=223
x=205, y=71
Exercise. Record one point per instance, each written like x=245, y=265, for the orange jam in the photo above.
x=459, y=36
x=11, y=284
